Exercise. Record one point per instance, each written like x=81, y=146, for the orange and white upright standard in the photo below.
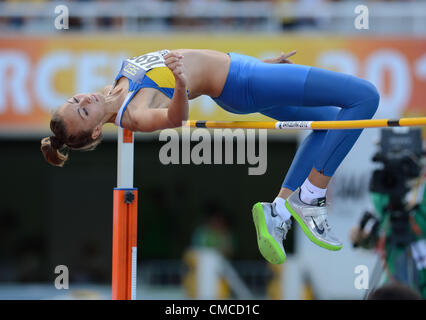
x=124, y=238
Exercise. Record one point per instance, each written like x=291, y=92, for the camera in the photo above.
x=400, y=153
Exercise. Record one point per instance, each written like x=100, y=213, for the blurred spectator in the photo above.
x=215, y=232
x=16, y=22
x=75, y=22
x=180, y=17
x=292, y=23
x=394, y=291
x=109, y=22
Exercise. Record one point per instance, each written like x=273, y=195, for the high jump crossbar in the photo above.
x=308, y=125
x=125, y=207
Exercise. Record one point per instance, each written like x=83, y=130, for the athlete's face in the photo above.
x=83, y=112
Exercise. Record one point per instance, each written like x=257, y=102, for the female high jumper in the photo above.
x=151, y=92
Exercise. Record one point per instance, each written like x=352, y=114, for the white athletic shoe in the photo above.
x=271, y=230
x=313, y=220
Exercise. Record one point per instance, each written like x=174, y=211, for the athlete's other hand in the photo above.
x=282, y=58
x=174, y=62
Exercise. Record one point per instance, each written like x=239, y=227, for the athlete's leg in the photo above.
x=310, y=147
x=270, y=228
x=289, y=85
x=356, y=98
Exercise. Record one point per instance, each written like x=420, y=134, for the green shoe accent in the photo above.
x=309, y=233
x=268, y=247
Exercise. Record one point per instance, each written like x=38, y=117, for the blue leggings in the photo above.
x=289, y=92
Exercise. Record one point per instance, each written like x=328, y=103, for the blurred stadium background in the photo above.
x=63, y=216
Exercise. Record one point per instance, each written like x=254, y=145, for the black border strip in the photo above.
x=393, y=123
x=201, y=124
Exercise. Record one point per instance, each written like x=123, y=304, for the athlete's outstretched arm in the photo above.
x=179, y=108
x=149, y=120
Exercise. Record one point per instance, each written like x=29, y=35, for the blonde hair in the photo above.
x=56, y=148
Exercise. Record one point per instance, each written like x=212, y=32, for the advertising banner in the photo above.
x=37, y=74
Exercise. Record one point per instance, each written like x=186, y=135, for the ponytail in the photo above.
x=54, y=151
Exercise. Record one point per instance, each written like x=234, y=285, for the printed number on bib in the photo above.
x=150, y=60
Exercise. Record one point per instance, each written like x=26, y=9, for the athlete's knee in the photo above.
x=373, y=96
x=368, y=97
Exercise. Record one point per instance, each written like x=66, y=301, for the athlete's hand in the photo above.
x=174, y=62
x=282, y=58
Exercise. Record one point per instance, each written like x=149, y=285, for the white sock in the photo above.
x=281, y=208
x=311, y=192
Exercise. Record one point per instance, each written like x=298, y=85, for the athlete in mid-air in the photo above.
x=151, y=92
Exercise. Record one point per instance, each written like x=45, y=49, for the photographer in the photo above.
x=397, y=229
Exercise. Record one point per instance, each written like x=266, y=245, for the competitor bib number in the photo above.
x=150, y=60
